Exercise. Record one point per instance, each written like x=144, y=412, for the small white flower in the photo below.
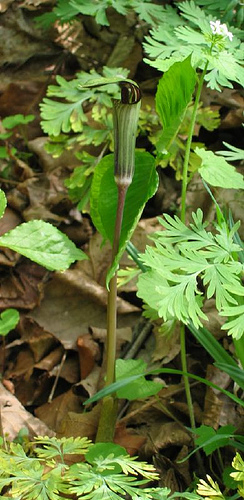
x=220, y=29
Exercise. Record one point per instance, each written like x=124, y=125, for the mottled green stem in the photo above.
x=112, y=295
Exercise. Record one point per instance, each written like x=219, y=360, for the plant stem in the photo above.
x=183, y=218
x=112, y=295
x=186, y=379
x=108, y=414
x=188, y=145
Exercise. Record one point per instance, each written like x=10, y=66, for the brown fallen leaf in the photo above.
x=88, y=352
x=14, y=417
x=130, y=441
x=66, y=312
x=80, y=424
x=9, y=220
x=167, y=345
x=213, y=402
x=92, y=289
x=55, y=413
x=89, y=386
x=39, y=341
x=51, y=360
x=168, y=434
x=22, y=287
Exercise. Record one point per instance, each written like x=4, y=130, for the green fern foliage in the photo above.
x=67, y=10
x=230, y=11
x=69, y=116
x=189, y=264
x=108, y=472
x=189, y=34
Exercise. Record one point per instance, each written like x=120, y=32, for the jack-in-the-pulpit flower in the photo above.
x=126, y=114
x=220, y=29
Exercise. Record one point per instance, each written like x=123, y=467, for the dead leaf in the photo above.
x=167, y=345
x=213, y=402
x=21, y=287
x=167, y=435
x=66, y=312
x=88, y=352
x=5, y=4
x=15, y=417
x=51, y=360
x=20, y=41
x=40, y=341
x=130, y=441
x=92, y=289
x=66, y=161
x=80, y=424
x=9, y=220
x=55, y=413
x=89, y=386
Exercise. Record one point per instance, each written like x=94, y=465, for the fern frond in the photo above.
x=185, y=256
x=54, y=447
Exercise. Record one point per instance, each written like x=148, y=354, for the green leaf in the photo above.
x=59, y=116
x=235, y=325
x=104, y=196
x=148, y=11
x=44, y=244
x=99, y=451
x=54, y=447
x=139, y=389
x=119, y=384
x=8, y=321
x=223, y=360
x=3, y=203
x=183, y=255
x=15, y=120
x=210, y=440
x=173, y=95
x=234, y=154
x=189, y=34
x=216, y=171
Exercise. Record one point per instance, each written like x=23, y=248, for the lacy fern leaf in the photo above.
x=183, y=258
x=53, y=447
x=189, y=33
x=58, y=116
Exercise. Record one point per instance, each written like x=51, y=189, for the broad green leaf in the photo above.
x=140, y=388
x=104, y=196
x=216, y=171
x=173, y=95
x=210, y=440
x=3, y=203
x=8, y=321
x=119, y=384
x=44, y=244
x=99, y=450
